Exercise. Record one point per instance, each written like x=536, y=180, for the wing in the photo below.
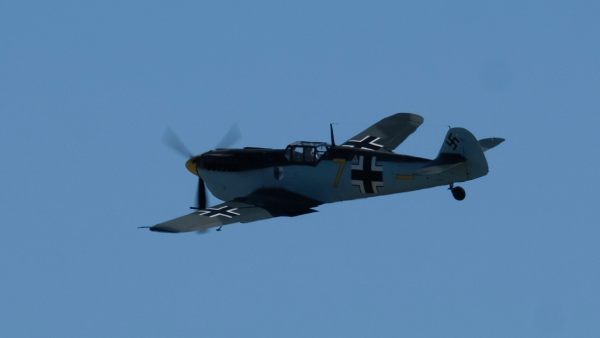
x=386, y=134
x=262, y=204
x=215, y=216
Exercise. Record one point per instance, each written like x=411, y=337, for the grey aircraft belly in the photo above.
x=260, y=183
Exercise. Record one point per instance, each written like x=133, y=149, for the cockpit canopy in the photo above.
x=305, y=152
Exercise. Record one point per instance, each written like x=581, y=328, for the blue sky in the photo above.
x=88, y=88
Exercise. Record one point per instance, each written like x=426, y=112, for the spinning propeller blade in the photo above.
x=174, y=142
x=233, y=135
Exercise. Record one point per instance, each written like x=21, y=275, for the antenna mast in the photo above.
x=332, y=137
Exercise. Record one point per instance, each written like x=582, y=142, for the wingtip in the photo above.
x=408, y=116
x=158, y=228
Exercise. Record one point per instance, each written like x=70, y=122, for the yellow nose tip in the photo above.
x=192, y=166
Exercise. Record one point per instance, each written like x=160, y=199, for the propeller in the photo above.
x=200, y=195
x=232, y=136
x=172, y=140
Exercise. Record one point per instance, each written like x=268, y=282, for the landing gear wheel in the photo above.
x=458, y=193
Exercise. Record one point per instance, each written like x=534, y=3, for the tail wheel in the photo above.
x=458, y=193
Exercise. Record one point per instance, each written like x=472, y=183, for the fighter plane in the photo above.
x=261, y=183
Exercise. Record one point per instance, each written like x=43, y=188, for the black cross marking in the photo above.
x=222, y=211
x=367, y=175
x=368, y=142
x=452, y=141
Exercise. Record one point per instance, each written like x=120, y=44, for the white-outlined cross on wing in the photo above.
x=368, y=142
x=221, y=211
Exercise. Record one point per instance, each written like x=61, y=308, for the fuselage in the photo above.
x=325, y=174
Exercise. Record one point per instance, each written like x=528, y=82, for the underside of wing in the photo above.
x=386, y=134
x=214, y=217
x=262, y=204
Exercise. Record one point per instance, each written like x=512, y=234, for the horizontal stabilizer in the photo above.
x=489, y=143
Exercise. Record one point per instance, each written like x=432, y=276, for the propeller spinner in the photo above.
x=171, y=139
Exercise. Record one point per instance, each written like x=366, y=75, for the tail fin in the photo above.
x=460, y=141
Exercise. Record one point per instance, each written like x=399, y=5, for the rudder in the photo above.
x=460, y=141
